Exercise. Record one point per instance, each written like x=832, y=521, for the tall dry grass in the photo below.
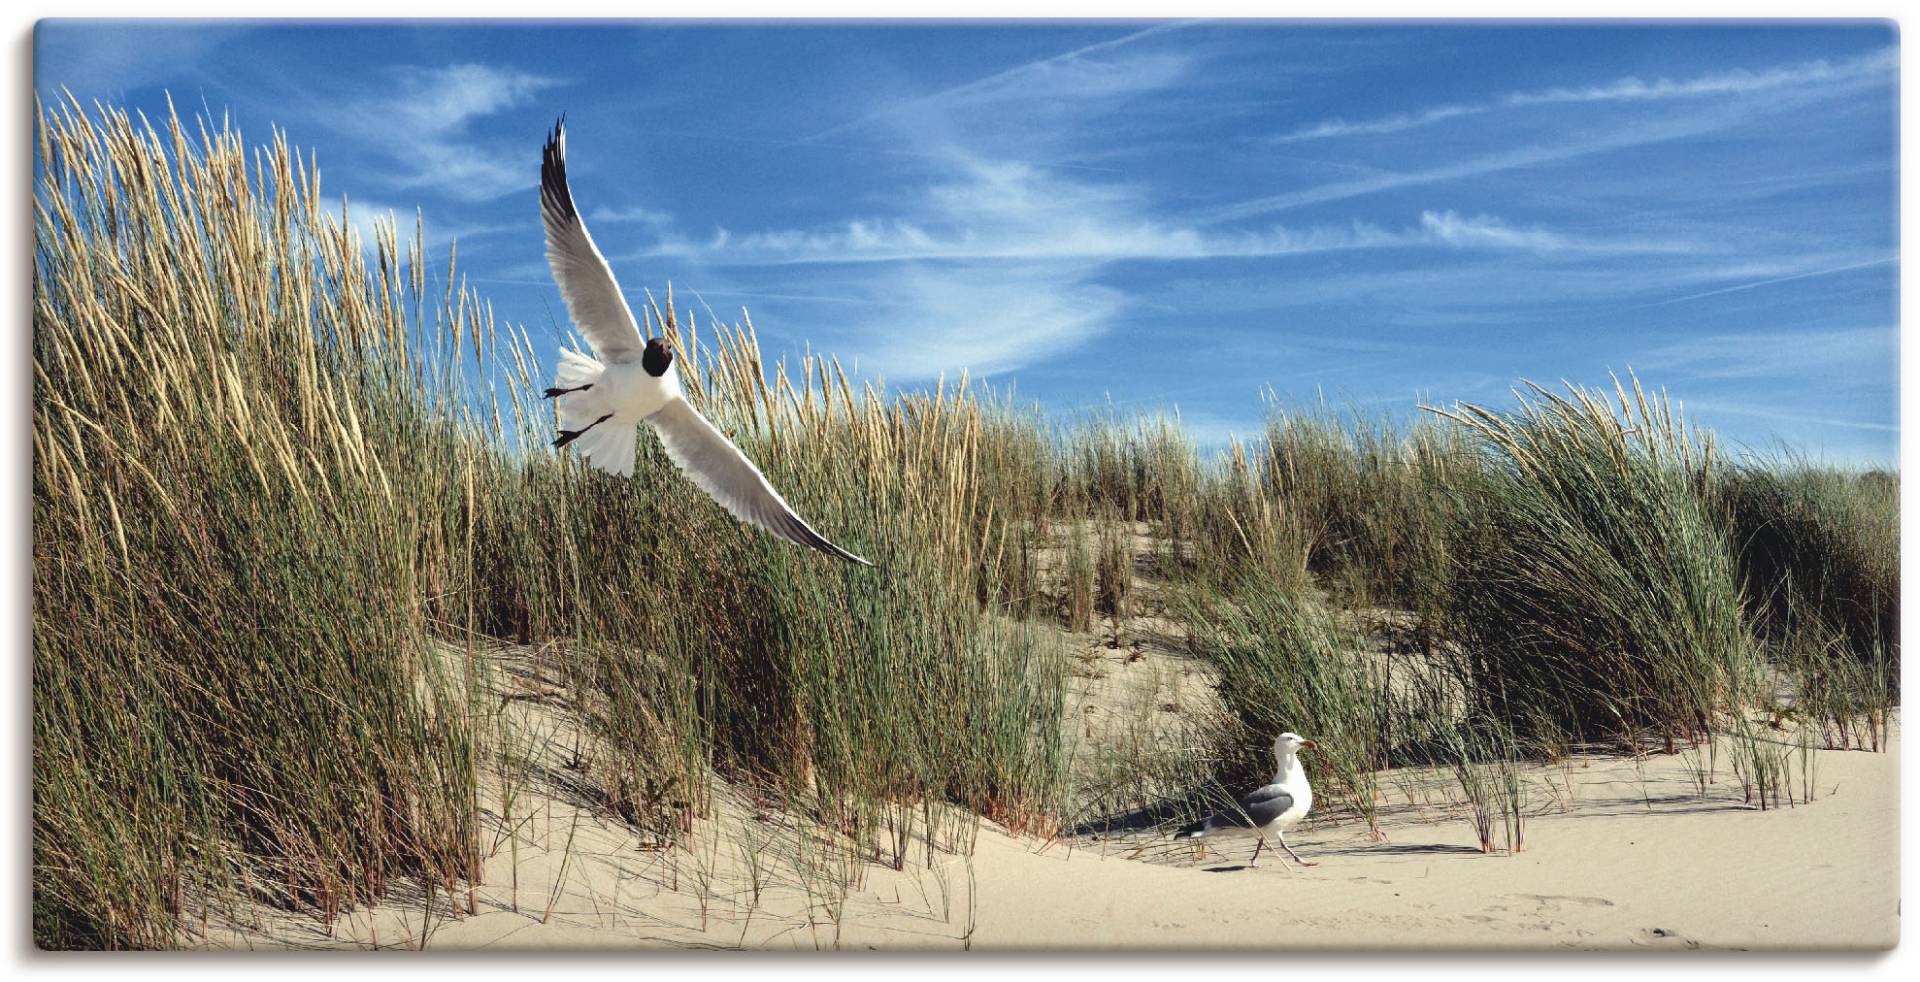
x=1814, y=540
x=244, y=515
x=1597, y=596
x=286, y=482
x=1578, y=569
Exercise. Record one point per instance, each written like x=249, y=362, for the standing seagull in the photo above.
x=601, y=402
x=1277, y=807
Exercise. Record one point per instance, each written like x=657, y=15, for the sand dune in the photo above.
x=1620, y=855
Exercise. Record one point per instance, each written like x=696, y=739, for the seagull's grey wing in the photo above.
x=711, y=461
x=1267, y=804
x=586, y=282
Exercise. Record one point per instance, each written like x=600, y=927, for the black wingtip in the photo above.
x=553, y=171
x=829, y=547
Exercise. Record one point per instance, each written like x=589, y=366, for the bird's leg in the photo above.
x=568, y=436
x=1258, y=844
x=1290, y=852
x=557, y=393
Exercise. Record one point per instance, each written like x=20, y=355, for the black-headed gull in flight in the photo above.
x=1274, y=808
x=602, y=402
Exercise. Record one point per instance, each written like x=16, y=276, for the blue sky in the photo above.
x=1155, y=214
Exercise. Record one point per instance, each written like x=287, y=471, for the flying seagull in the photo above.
x=634, y=381
x=1275, y=808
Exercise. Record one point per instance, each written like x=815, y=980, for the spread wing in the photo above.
x=711, y=461
x=586, y=282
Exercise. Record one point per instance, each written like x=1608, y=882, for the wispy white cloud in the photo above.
x=1800, y=274
x=1029, y=250
x=632, y=214
x=986, y=320
x=1214, y=433
x=367, y=216
x=986, y=272
x=1073, y=75
x=1023, y=249
x=1473, y=167
x=1632, y=134
x=1737, y=82
x=96, y=58
x=440, y=102
x=1846, y=354
x=423, y=120
x=882, y=241
x=1001, y=211
x=1487, y=231
x=1788, y=416
x=1372, y=127
x=1467, y=287
x=999, y=239
x=366, y=219
x=892, y=241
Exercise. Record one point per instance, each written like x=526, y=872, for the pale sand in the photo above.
x=1614, y=872
x=1636, y=859
x=1618, y=855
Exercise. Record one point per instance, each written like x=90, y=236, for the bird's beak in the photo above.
x=1309, y=745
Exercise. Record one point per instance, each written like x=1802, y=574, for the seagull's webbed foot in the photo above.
x=1295, y=855
x=557, y=393
x=568, y=436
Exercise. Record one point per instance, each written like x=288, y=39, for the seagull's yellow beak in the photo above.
x=1309, y=745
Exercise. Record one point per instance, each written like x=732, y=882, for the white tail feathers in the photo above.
x=578, y=409
x=608, y=445
x=576, y=370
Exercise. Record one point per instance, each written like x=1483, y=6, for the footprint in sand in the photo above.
x=1663, y=938
x=1548, y=901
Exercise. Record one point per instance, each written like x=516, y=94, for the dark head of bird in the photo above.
x=659, y=357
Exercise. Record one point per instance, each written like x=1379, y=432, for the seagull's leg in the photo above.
x=1296, y=856
x=557, y=393
x=1259, y=843
x=568, y=436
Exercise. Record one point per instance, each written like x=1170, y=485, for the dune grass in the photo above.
x=292, y=489
x=1596, y=596
x=1816, y=541
x=239, y=482
x=1286, y=662
x=286, y=481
